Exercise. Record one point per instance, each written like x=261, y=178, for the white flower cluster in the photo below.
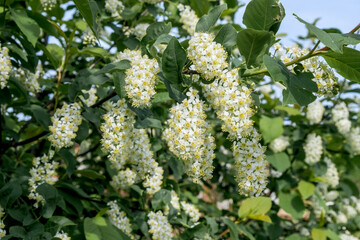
x=348, y=209
x=2, y=225
x=232, y=102
x=43, y=171
x=313, y=148
x=160, y=228
x=62, y=235
x=140, y=30
x=340, y=116
x=265, y=89
x=353, y=139
x=331, y=175
x=66, y=121
x=188, y=18
x=91, y=98
x=29, y=79
x=191, y=211
x=115, y=7
x=174, y=202
x=188, y=139
x=279, y=144
x=324, y=76
x=315, y=112
x=5, y=66
x=208, y=57
x=347, y=236
x=127, y=145
x=140, y=78
x=48, y=4
x=250, y=164
x=119, y=219
x=89, y=38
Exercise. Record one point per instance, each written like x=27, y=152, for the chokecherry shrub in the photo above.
x=174, y=119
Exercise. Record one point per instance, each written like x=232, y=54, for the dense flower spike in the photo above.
x=331, y=175
x=250, y=165
x=313, y=148
x=127, y=145
x=48, y=4
x=188, y=18
x=208, y=57
x=140, y=30
x=115, y=7
x=160, y=228
x=347, y=236
x=62, y=235
x=91, y=98
x=29, y=79
x=315, y=112
x=43, y=171
x=191, y=211
x=2, y=225
x=188, y=139
x=340, y=116
x=279, y=144
x=140, y=78
x=5, y=66
x=232, y=102
x=89, y=38
x=324, y=76
x=66, y=121
x=353, y=139
x=119, y=219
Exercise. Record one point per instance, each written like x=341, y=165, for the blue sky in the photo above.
x=341, y=14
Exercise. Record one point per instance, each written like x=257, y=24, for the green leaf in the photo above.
x=130, y=13
x=173, y=61
x=200, y=7
x=161, y=97
x=253, y=44
x=17, y=231
x=177, y=167
x=92, y=115
x=346, y=64
x=88, y=9
x=116, y=66
x=292, y=204
x=306, y=189
x=263, y=15
x=161, y=199
x=255, y=208
x=289, y=110
x=280, y=161
x=234, y=235
x=41, y=116
x=50, y=195
x=333, y=41
x=94, y=51
x=18, y=51
x=330, y=234
x=209, y=20
x=148, y=123
x=69, y=160
x=155, y=30
x=244, y=231
x=9, y=193
x=90, y=174
x=296, y=236
x=99, y=228
x=55, y=54
x=271, y=128
x=227, y=37
x=44, y=23
x=299, y=87
x=119, y=83
x=27, y=25
x=318, y=234
x=175, y=90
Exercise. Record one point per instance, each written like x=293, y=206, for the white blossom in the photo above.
x=91, y=97
x=119, y=219
x=2, y=225
x=140, y=30
x=315, y=112
x=115, y=7
x=331, y=175
x=188, y=18
x=62, y=235
x=279, y=144
x=347, y=236
x=313, y=148
x=89, y=38
x=160, y=228
x=5, y=66
x=353, y=139
x=192, y=211
x=48, y=4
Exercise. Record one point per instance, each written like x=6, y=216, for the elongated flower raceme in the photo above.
x=208, y=57
x=5, y=66
x=313, y=148
x=2, y=225
x=140, y=30
x=119, y=219
x=160, y=228
x=127, y=145
x=43, y=171
x=250, y=165
x=232, y=102
x=331, y=175
x=340, y=116
x=89, y=38
x=315, y=112
x=279, y=144
x=29, y=79
x=115, y=7
x=353, y=139
x=62, y=235
x=188, y=139
x=192, y=211
x=188, y=18
x=66, y=121
x=140, y=78
x=48, y=4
